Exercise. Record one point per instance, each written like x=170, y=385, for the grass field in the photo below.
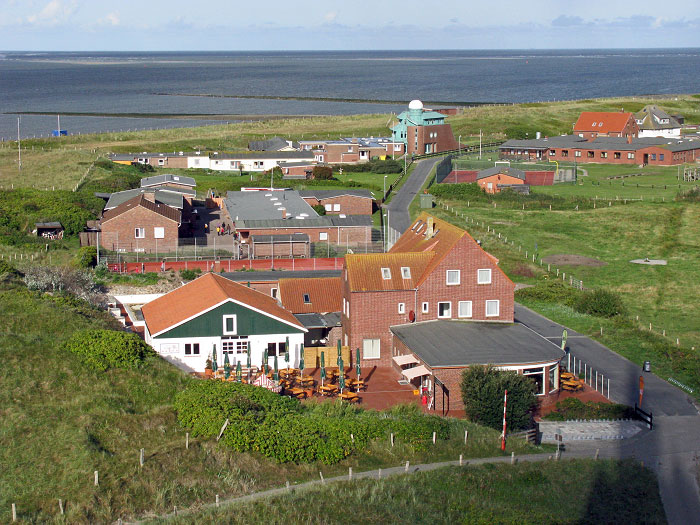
x=568, y=492
x=60, y=421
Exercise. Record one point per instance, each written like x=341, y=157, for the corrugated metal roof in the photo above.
x=210, y=289
x=365, y=270
x=443, y=343
x=323, y=294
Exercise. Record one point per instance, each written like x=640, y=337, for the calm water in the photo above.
x=122, y=83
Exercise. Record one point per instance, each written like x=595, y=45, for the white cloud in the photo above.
x=110, y=19
x=330, y=16
x=54, y=12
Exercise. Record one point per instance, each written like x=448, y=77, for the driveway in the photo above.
x=672, y=447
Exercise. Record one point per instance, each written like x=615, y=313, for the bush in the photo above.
x=461, y=191
x=143, y=168
x=62, y=279
x=482, y=392
x=386, y=166
x=319, y=208
x=190, y=275
x=601, y=303
x=572, y=408
x=103, y=349
x=86, y=257
x=322, y=173
x=550, y=291
x=7, y=269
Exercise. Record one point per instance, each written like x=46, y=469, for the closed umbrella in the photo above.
x=301, y=362
x=357, y=367
x=339, y=353
x=214, y=366
x=286, y=355
x=265, y=366
x=277, y=375
x=227, y=366
x=248, y=364
x=239, y=371
x=341, y=377
x=323, y=367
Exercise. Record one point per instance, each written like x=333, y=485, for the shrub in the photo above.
x=601, y=303
x=482, y=392
x=190, y=275
x=386, y=166
x=319, y=208
x=86, y=257
x=62, y=279
x=550, y=291
x=572, y=408
x=7, y=269
x=462, y=191
x=322, y=173
x=143, y=168
x=103, y=349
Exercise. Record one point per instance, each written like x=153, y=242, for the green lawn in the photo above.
x=567, y=492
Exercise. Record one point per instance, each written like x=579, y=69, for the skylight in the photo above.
x=386, y=273
x=405, y=272
x=307, y=299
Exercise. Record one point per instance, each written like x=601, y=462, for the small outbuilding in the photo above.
x=49, y=230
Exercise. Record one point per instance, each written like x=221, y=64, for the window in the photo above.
x=276, y=349
x=661, y=156
x=229, y=325
x=603, y=154
x=653, y=156
x=492, y=308
x=370, y=348
x=464, y=309
x=405, y=272
x=161, y=162
x=483, y=276
x=577, y=153
x=553, y=383
x=328, y=207
x=307, y=299
x=191, y=348
x=402, y=308
x=323, y=236
x=537, y=375
x=630, y=155
x=617, y=155
x=425, y=307
x=159, y=232
x=590, y=154
x=336, y=207
x=445, y=309
x=452, y=277
x=386, y=273
x=140, y=233
x=552, y=152
x=565, y=153
x=238, y=346
x=273, y=292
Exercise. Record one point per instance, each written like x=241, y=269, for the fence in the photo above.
x=590, y=376
x=443, y=169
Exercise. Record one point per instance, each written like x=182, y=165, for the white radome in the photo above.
x=415, y=104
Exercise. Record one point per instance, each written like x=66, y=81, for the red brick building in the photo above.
x=423, y=131
x=346, y=202
x=352, y=150
x=140, y=225
x=352, y=230
x=592, y=124
x=434, y=271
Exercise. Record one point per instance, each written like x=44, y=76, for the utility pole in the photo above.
x=479, y=144
x=19, y=146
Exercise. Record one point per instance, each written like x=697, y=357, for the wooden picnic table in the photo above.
x=350, y=397
x=355, y=383
x=328, y=390
x=297, y=392
x=572, y=385
x=288, y=373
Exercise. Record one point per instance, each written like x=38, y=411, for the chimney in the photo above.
x=284, y=213
x=429, y=230
x=150, y=196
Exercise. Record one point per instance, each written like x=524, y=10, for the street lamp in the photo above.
x=384, y=197
x=459, y=146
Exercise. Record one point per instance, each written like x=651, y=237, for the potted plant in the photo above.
x=208, y=372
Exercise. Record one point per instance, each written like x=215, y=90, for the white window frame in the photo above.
x=464, y=304
x=498, y=308
x=235, y=324
x=480, y=279
x=402, y=308
x=323, y=236
x=158, y=232
x=425, y=307
x=193, y=347
x=386, y=273
x=142, y=231
x=449, y=310
x=447, y=277
x=405, y=272
x=273, y=292
x=336, y=207
x=375, y=346
x=328, y=207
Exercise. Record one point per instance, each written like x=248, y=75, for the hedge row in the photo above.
x=284, y=430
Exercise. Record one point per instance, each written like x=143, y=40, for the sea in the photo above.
x=101, y=92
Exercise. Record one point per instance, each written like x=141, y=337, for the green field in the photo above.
x=568, y=492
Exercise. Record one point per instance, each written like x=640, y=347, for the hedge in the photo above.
x=103, y=349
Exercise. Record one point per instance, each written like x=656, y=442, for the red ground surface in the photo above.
x=230, y=265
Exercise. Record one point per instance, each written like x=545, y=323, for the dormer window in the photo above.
x=307, y=299
x=386, y=273
x=405, y=272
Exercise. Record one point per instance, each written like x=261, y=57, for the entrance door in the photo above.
x=646, y=159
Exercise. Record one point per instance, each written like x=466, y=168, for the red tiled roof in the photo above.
x=365, y=270
x=203, y=293
x=602, y=121
x=325, y=295
x=161, y=209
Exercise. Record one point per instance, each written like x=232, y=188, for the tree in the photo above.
x=319, y=208
x=322, y=173
x=482, y=392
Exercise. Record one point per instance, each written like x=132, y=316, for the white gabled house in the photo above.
x=213, y=315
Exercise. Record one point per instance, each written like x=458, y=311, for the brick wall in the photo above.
x=353, y=235
x=349, y=205
x=119, y=232
x=497, y=179
x=444, y=141
x=281, y=250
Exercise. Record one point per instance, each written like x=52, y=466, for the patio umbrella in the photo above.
x=277, y=375
x=214, y=366
x=227, y=366
x=339, y=353
x=265, y=366
x=341, y=377
x=239, y=371
x=357, y=367
x=301, y=360
x=323, y=367
x=286, y=355
x=248, y=364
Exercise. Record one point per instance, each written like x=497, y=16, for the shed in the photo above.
x=49, y=230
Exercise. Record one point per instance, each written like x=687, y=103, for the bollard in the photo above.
x=321, y=474
x=392, y=439
x=379, y=474
x=466, y=436
x=352, y=437
x=287, y=483
x=60, y=506
x=597, y=453
x=512, y=458
x=14, y=512
x=434, y=437
x=97, y=479
x=141, y=458
x=217, y=501
x=350, y=473
x=406, y=468
x=187, y=440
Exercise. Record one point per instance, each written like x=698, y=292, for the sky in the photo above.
x=229, y=25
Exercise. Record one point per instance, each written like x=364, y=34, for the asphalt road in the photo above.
x=672, y=448
x=399, y=219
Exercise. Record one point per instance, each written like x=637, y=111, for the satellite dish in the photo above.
x=412, y=316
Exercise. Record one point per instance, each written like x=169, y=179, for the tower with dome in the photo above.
x=423, y=130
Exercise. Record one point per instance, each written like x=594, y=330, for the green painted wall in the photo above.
x=211, y=324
